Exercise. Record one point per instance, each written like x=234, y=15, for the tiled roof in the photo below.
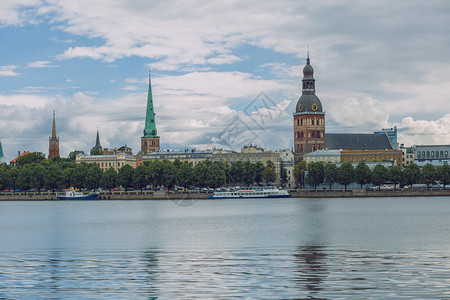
x=357, y=141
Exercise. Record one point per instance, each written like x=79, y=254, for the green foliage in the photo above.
x=140, y=177
x=379, y=175
x=346, y=173
x=95, y=151
x=429, y=174
x=316, y=174
x=125, y=176
x=331, y=174
x=73, y=155
x=395, y=174
x=362, y=173
x=29, y=158
x=443, y=174
x=299, y=173
x=283, y=175
x=411, y=174
x=269, y=174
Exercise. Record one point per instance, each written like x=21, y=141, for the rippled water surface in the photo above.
x=359, y=248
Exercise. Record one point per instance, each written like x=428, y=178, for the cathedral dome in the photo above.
x=308, y=103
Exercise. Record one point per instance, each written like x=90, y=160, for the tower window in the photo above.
x=312, y=122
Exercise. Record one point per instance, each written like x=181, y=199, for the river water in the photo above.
x=358, y=248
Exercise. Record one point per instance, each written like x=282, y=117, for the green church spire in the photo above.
x=2, y=157
x=150, y=125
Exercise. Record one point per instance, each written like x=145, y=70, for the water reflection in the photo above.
x=311, y=268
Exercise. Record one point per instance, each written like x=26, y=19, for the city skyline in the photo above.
x=376, y=67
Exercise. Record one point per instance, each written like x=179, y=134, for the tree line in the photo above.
x=320, y=173
x=33, y=171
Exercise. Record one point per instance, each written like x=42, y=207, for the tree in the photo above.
x=379, y=175
x=93, y=176
x=362, y=173
x=258, y=168
x=346, y=174
x=54, y=178
x=411, y=174
x=95, y=151
x=237, y=172
x=29, y=158
x=331, y=174
x=299, y=173
x=315, y=175
x=125, y=176
x=38, y=176
x=184, y=174
x=248, y=175
x=168, y=174
x=283, y=175
x=215, y=176
x=269, y=173
x=395, y=175
x=73, y=155
x=24, y=177
x=140, y=177
x=199, y=174
x=429, y=174
x=109, y=178
x=443, y=174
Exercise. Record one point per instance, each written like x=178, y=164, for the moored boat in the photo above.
x=252, y=192
x=74, y=195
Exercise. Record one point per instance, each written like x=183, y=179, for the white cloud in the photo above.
x=8, y=71
x=40, y=64
x=130, y=88
x=420, y=132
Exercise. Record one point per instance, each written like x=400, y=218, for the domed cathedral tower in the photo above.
x=150, y=140
x=53, y=142
x=309, y=117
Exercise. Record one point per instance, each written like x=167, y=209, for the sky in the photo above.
x=224, y=73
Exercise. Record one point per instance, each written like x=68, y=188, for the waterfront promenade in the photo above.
x=161, y=195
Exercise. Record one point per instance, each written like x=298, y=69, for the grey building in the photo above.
x=435, y=154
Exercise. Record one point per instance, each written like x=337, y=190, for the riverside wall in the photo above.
x=163, y=195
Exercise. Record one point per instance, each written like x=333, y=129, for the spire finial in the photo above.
x=307, y=51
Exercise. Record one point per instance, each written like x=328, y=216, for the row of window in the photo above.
x=313, y=134
x=301, y=122
x=432, y=154
x=388, y=158
x=111, y=164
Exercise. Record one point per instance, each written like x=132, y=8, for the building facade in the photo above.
x=434, y=154
x=53, y=141
x=309, y=117
x=108, y=161
x=150, y=141
x=392, y=135
x=407, y=155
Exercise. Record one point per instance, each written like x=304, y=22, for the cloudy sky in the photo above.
x=224, y=73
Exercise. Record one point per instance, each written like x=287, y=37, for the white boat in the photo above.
x=252, y=192
x=73, y=195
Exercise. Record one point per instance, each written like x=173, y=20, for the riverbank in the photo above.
x=161, y=195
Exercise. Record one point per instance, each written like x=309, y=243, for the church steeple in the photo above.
x=150, y=140
x=97, y=149
x=53, y=143
x=150, y=125
x=2, y=156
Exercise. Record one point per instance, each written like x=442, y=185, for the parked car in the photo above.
x=18, y=191
x=114, y=190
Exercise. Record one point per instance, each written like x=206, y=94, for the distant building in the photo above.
x=192, y=156
x=287, y=161
x=108, y=161
x=123, y=149
x=407, y=155
x=53, y=141
x=434, y=154
x=2, y=156
x=150, y=140
x=392, y=135
x=327, y=156
x=13, y=162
